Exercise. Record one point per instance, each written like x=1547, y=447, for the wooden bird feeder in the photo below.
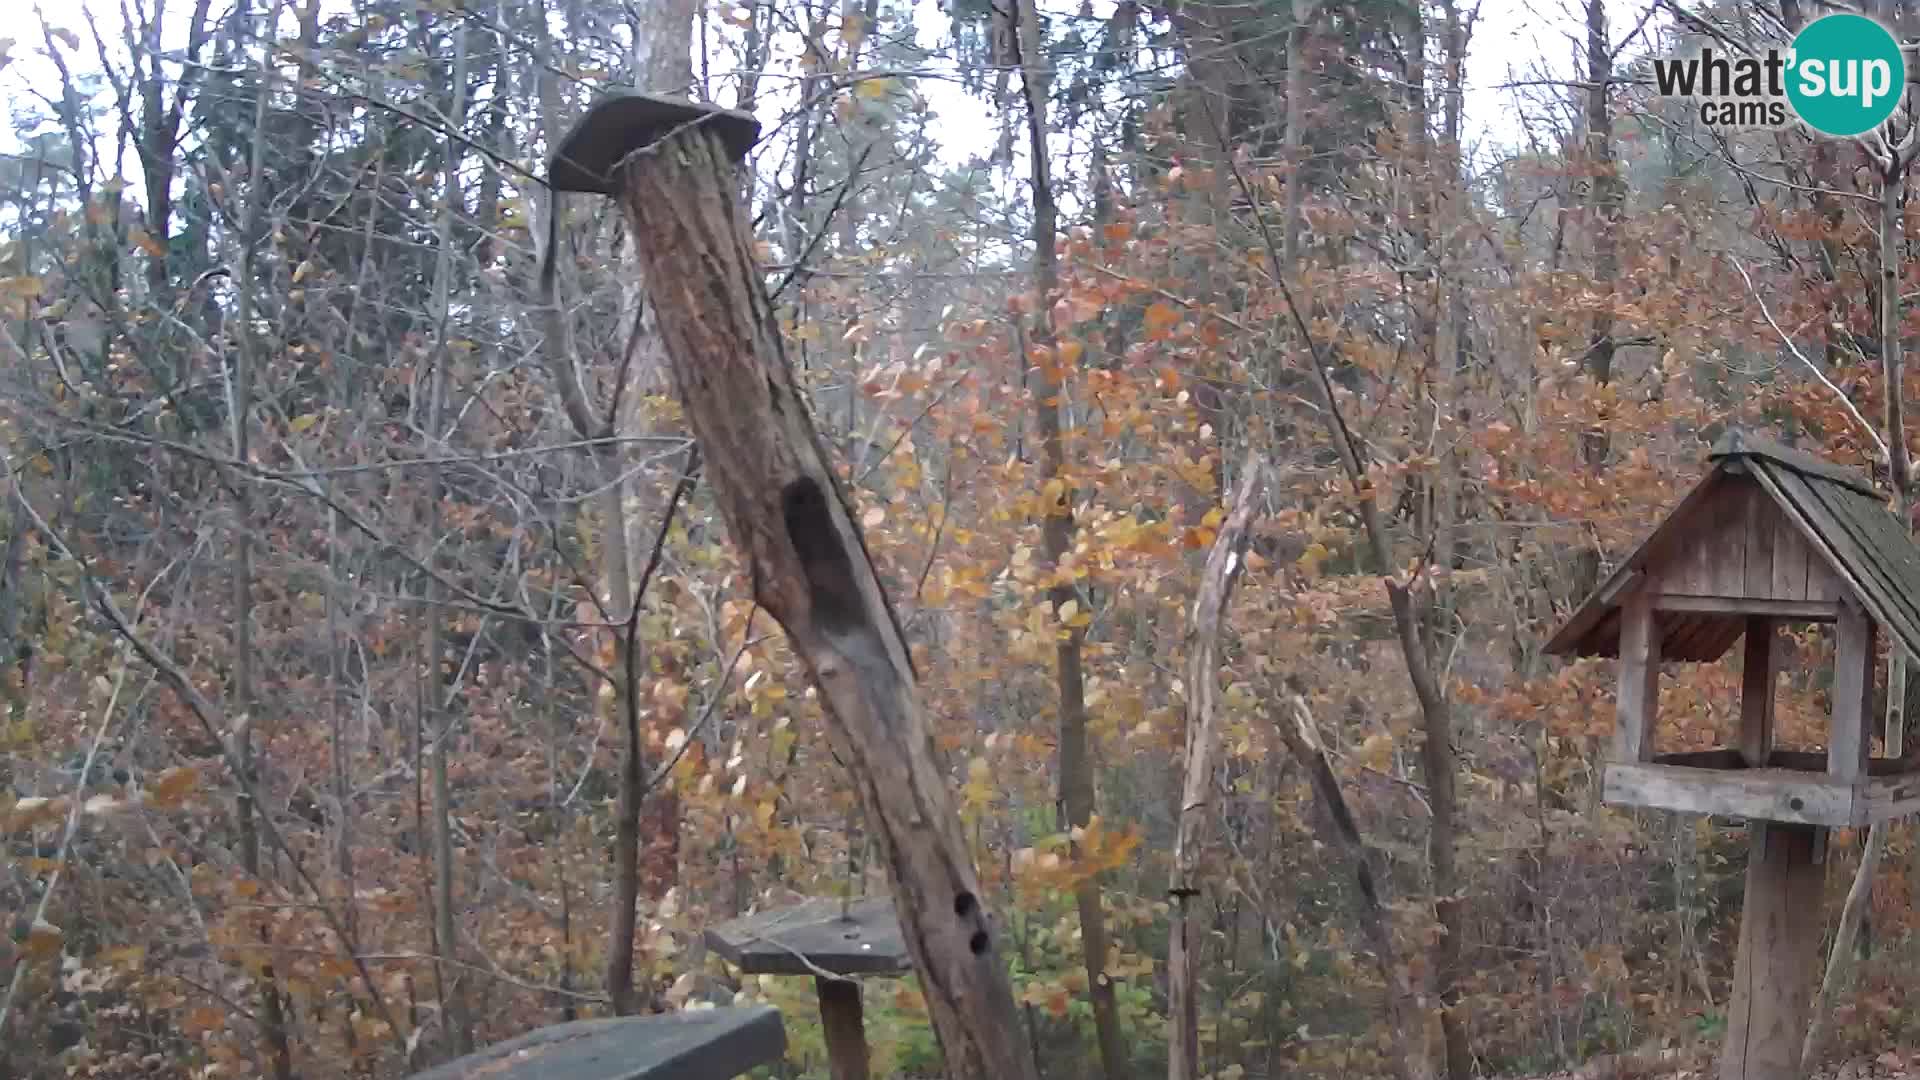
x=700, y=1044
x=1771, y=537
x=833, y=942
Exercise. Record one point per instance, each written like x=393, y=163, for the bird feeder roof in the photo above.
x=1769, y=531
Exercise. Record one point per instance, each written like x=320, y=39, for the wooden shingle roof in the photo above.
x=1837, y=515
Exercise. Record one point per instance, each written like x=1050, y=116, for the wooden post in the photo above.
x=1756, y=693
x=1848, y=744
x=1637, y=705
x=842, y=1021
x=672, y=165
x=1779, y=957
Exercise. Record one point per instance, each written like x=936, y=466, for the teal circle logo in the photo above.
x=1847, y=74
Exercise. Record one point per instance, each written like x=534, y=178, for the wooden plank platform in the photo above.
x=1718, y=782
x=702, y=1044
x=816, y=936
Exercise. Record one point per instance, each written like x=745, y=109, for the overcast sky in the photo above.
x=1514, y=40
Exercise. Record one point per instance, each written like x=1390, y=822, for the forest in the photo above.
x=1233, y=397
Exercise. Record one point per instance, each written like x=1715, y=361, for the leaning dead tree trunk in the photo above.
x=1224, y=563
x=1405, y=1021
x=672, y=166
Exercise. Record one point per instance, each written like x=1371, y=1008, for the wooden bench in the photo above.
x=704, y=1044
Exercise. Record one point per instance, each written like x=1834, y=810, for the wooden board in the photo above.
x=1770, y=794
x=708, y=1044
x=1816, y=611
x=813, y=936
x=1779, y=956
x=1789, y=561
x=1849, y=743
x=1759, y=528
x=1637, y=703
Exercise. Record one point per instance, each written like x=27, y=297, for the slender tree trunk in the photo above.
x=439, y=721
x=1404, y=1017
x=279, y=1053
x=1224, y=564
x=1603, y=209
x=663, y=62
x=13, y=597
x=1076, y=765
x=1305, y=14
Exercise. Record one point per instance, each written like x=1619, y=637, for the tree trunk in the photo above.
x=246, y=358
x=1224, y=563
x=1603, y=208
x=438, y=722
x=1405, y=1019
x=663, y=61
x=1076, y=765
x=810, y=570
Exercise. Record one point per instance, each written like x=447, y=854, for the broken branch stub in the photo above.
x=672, y=166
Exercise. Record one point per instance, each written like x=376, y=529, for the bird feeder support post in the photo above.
x=843, y=1022
x=1779, y=957
x=671, y=164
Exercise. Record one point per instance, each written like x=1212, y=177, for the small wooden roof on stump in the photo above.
x=1770, y=536
x=815, y=936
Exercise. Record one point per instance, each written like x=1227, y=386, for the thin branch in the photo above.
x=1845, y=401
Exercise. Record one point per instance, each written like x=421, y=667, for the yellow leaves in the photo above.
x=144, y=240
x=43, y=939
x=853, y=31
x=173, y=786
x=127, y=958
x=202, y=1019
x=1071, y=617
x=1310, y=559
x=981, y=789
x=1054, y=496
x=1376, y=752
x=303, y=422
x=22, y=288
x=35, y=810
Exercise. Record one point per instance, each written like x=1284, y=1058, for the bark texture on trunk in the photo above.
x=1224, y=563
x=810, y=570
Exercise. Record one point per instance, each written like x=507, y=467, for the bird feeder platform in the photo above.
x=1772, y=537
x=834, y=942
